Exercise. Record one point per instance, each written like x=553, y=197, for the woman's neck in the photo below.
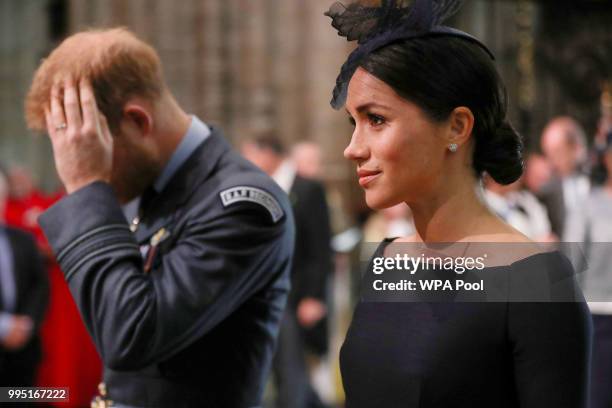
x=451, y=215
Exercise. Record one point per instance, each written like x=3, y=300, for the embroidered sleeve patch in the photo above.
x=253, y=195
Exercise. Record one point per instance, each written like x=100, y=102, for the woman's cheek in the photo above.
x=393, y=147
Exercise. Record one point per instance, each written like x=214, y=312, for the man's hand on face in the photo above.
x=82, y=142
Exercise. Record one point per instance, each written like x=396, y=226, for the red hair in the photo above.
x=118, y=64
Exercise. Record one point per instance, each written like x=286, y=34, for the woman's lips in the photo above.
x=367, y=176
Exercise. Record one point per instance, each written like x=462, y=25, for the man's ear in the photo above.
x=461, y=124
x=139, y=117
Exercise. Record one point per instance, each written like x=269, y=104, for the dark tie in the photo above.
x=147, y=197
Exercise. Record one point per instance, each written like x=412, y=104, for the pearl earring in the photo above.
x=452, y=147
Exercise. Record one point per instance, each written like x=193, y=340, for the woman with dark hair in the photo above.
x=429, y=115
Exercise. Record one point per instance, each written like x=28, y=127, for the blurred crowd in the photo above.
x=42, y=338
x=564, y=195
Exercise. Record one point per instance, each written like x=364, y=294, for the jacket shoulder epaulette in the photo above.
x=256, y=191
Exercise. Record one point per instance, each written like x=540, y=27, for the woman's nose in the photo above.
x=356, y=150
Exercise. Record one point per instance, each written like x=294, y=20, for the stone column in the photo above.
x=24, y=28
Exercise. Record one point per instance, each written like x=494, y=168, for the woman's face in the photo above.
x=398, y=150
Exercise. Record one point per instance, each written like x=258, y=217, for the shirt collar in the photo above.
x=197, y=133
x=285, y=175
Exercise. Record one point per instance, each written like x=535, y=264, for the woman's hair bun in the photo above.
x=500, y=155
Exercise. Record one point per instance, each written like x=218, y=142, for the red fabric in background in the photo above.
x=69, y=356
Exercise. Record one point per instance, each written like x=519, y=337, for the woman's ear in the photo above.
x=461, y=123
x=139, y=117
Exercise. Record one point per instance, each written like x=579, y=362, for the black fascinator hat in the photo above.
x=394, y=20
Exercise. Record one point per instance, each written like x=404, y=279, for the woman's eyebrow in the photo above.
x=369, y=105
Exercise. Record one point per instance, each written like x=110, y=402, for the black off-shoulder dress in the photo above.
x=472, y=355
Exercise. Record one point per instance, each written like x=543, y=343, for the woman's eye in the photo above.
x=375, y=120
x=351, y=121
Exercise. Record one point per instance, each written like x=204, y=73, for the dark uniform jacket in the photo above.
x=185, y=311
x=312, y=260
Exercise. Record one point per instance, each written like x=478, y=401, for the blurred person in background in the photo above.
x=26, y=202
x=305, y=322
x=564, y=145
x=307, y=158
x=519, y=208
x=538, y=172
x=23, y=300
x=69, y=358
x=591, y=226
x=599, y=173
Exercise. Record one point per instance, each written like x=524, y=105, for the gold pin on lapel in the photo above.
x=156, y=239
x=159, y=236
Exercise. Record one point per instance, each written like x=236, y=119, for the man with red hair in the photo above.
x=184, y=302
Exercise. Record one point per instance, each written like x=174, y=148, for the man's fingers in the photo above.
x=57, y=111
x=92, y=117
x=104, y=129
x=72, y=104
x=49, y=123
x=88, y=104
